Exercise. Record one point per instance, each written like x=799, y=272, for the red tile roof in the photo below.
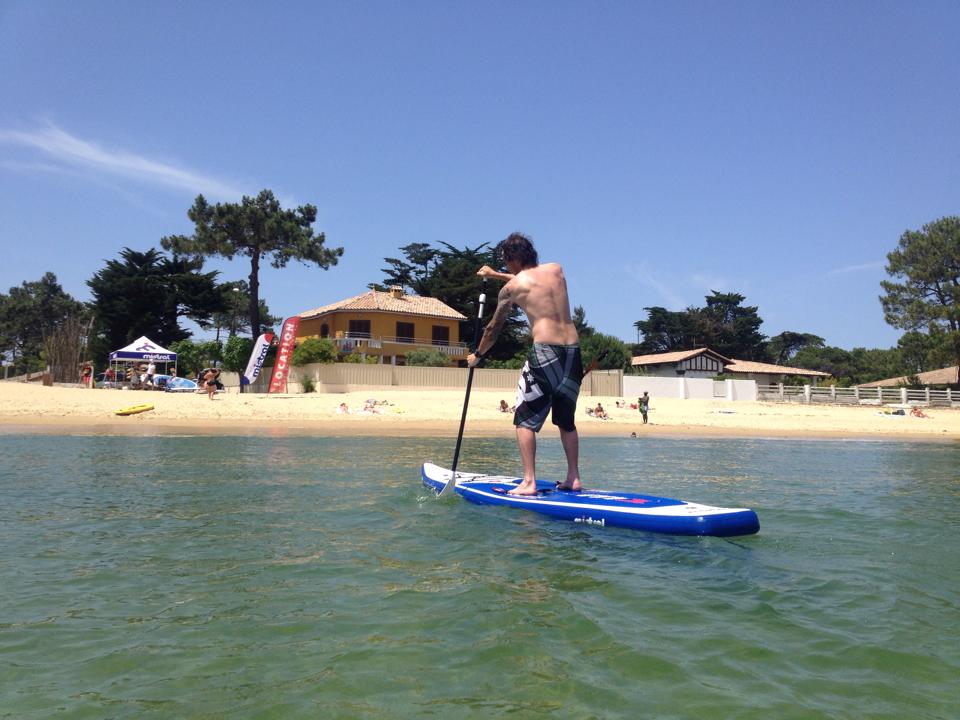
x=374, y=300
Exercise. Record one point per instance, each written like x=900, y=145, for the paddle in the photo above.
x=452, y=482
x=594, y=364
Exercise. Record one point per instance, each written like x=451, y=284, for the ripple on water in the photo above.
x=293, y=577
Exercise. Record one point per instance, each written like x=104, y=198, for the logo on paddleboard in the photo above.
x=590, y=521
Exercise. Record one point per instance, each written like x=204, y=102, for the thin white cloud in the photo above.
x=664, y=288
x=59, y=146
x=708, y=283
x=678, y=292
x=856, y=268
x=110, y=182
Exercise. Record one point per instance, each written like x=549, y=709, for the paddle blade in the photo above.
x=448, y=489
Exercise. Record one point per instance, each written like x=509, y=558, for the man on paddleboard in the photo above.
x=550, y=378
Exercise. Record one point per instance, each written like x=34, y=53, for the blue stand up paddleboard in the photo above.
x=598, y=507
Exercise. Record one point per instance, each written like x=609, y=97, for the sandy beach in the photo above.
x=32, y=408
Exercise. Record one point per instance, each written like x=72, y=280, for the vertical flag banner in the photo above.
x=281, y=368
x=260, y=348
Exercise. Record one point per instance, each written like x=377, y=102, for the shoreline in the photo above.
x=9, y=429
x=36, y=410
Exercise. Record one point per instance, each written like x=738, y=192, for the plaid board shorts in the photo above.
x=549, y=379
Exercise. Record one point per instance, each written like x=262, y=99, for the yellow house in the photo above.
x=387, y=325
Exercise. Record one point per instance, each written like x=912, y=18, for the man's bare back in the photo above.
x=541, y=292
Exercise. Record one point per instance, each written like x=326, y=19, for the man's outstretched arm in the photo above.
x=488, y=272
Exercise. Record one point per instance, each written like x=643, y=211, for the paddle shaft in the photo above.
x=594, y=364
x=452, y=482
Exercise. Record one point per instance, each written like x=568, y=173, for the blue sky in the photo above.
x=657, y=150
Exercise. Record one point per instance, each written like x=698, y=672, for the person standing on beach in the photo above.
x=643, y=402
x=210, y=379
x=550, y=378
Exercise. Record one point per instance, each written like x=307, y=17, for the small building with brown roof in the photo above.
x=699, y=363
x=706, y=363
x=947, y=377
x=769, y=373
x=387, y=325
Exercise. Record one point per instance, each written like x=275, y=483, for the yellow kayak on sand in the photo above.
x=134, y=409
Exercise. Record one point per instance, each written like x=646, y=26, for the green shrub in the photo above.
x=192, y=357
x=308, y=385
x=236, y=353
x=359, y=359
x=314, y=350
x=428, y=358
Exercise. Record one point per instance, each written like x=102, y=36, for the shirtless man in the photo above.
x=551, y=376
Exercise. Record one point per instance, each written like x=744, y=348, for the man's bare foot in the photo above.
x=570, y=485
x=525, y=488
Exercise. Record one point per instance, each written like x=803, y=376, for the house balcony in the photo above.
x=392, y=345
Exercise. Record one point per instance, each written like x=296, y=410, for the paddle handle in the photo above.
x=452, y=482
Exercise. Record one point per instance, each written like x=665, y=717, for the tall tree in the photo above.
x=667, y=331
x=924, y=292
x=850, y=367
x=732, y=329
x=415, y=272
x=144, y=293
x=256, y=228
x=610, y=352
x=29, y=314
x=784, y=346
x=234, y=318
x=723, y=325
x=922, y=351
x=836, y=361
x=580, y=322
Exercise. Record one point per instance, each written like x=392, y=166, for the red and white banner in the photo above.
x=281, y=368
x=260, y=348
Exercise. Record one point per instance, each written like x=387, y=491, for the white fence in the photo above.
x=857, y=395
x=689, y=388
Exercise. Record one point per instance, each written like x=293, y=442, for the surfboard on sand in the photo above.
x=599, y=507
x=134, y=409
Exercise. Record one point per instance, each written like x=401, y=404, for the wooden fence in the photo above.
x=857, y=395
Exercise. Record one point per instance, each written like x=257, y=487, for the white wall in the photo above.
x=670, y=372
x=742, y=390
x=686, y=388
x=635, y=385
x=698, y=388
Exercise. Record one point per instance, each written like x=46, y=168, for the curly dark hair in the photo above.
x=520, y=248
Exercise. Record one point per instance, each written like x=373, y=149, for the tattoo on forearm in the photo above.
x=500, y=315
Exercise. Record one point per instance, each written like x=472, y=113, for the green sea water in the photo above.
x=310, y=577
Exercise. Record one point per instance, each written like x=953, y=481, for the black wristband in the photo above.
x=479, y=355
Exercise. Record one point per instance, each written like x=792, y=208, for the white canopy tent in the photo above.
x=143, y=348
